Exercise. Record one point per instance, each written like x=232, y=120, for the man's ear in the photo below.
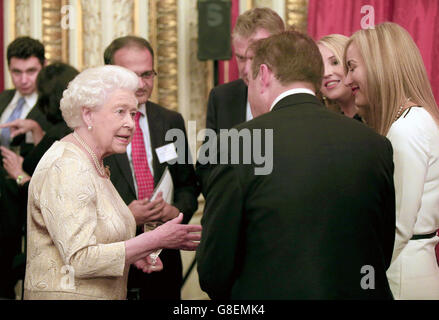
x=266, y=76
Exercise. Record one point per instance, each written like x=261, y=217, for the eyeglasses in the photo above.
x=147, y=75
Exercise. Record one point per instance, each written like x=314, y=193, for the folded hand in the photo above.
x=147, y=266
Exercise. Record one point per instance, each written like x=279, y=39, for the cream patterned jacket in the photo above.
x=76, y=227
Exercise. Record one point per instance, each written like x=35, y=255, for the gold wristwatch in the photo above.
x=20, y=179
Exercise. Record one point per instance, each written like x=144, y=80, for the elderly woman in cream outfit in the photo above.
x=80, y=233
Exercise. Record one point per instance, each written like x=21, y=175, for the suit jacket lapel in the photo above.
x=157, y=132
x=38, y=116
x=238, y=110
x=243, y=98
x=124, y=165
x=5, y=99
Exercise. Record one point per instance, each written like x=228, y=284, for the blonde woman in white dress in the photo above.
x=387, y=76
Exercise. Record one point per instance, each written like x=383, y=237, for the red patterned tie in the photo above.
x=145, y=180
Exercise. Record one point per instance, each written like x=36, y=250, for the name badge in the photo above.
x=166, y=153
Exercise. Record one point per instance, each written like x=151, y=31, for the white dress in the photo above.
x=414, y=272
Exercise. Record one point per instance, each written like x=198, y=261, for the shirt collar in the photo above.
x=290, y=92
x=31, y=99
x=142, y=109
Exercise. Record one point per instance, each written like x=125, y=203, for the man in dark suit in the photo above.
x=154, y=122
x=321, y=223
x=228, y=105
x=25, y=58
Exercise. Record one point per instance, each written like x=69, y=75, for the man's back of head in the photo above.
x=283, y=61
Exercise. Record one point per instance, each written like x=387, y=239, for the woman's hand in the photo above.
x=174, y=235
x=12, y=163
x=147, y=266
x=171, y=235
x=21, y=126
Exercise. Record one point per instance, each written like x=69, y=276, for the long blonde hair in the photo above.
x=337, y=44
x=395, y=72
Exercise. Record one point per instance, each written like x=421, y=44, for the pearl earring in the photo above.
x=89, y=128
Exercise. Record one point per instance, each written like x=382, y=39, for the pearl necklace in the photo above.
x=400, y=110
x=99, y=166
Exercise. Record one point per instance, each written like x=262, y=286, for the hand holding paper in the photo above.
x=166, y=188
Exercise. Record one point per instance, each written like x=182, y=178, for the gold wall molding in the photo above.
x=55, y=38
x=22, y=18
x=262, y=3
x=141, y=14
x=97, y=23
x=92, y=30
x=297, y=14
x=152, y=38
x=200, y=75
x=9, y=17
x=123, y=17
x=166, y=42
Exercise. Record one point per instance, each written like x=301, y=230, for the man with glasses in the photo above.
x=136, y=172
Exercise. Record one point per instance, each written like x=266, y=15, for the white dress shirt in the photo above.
x=29, y=103
x=290, y=92
x=248, y=114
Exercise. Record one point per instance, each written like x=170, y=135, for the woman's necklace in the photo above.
x=99, y=166
x=401, y=109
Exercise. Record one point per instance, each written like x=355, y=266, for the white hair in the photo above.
x=91, y=88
